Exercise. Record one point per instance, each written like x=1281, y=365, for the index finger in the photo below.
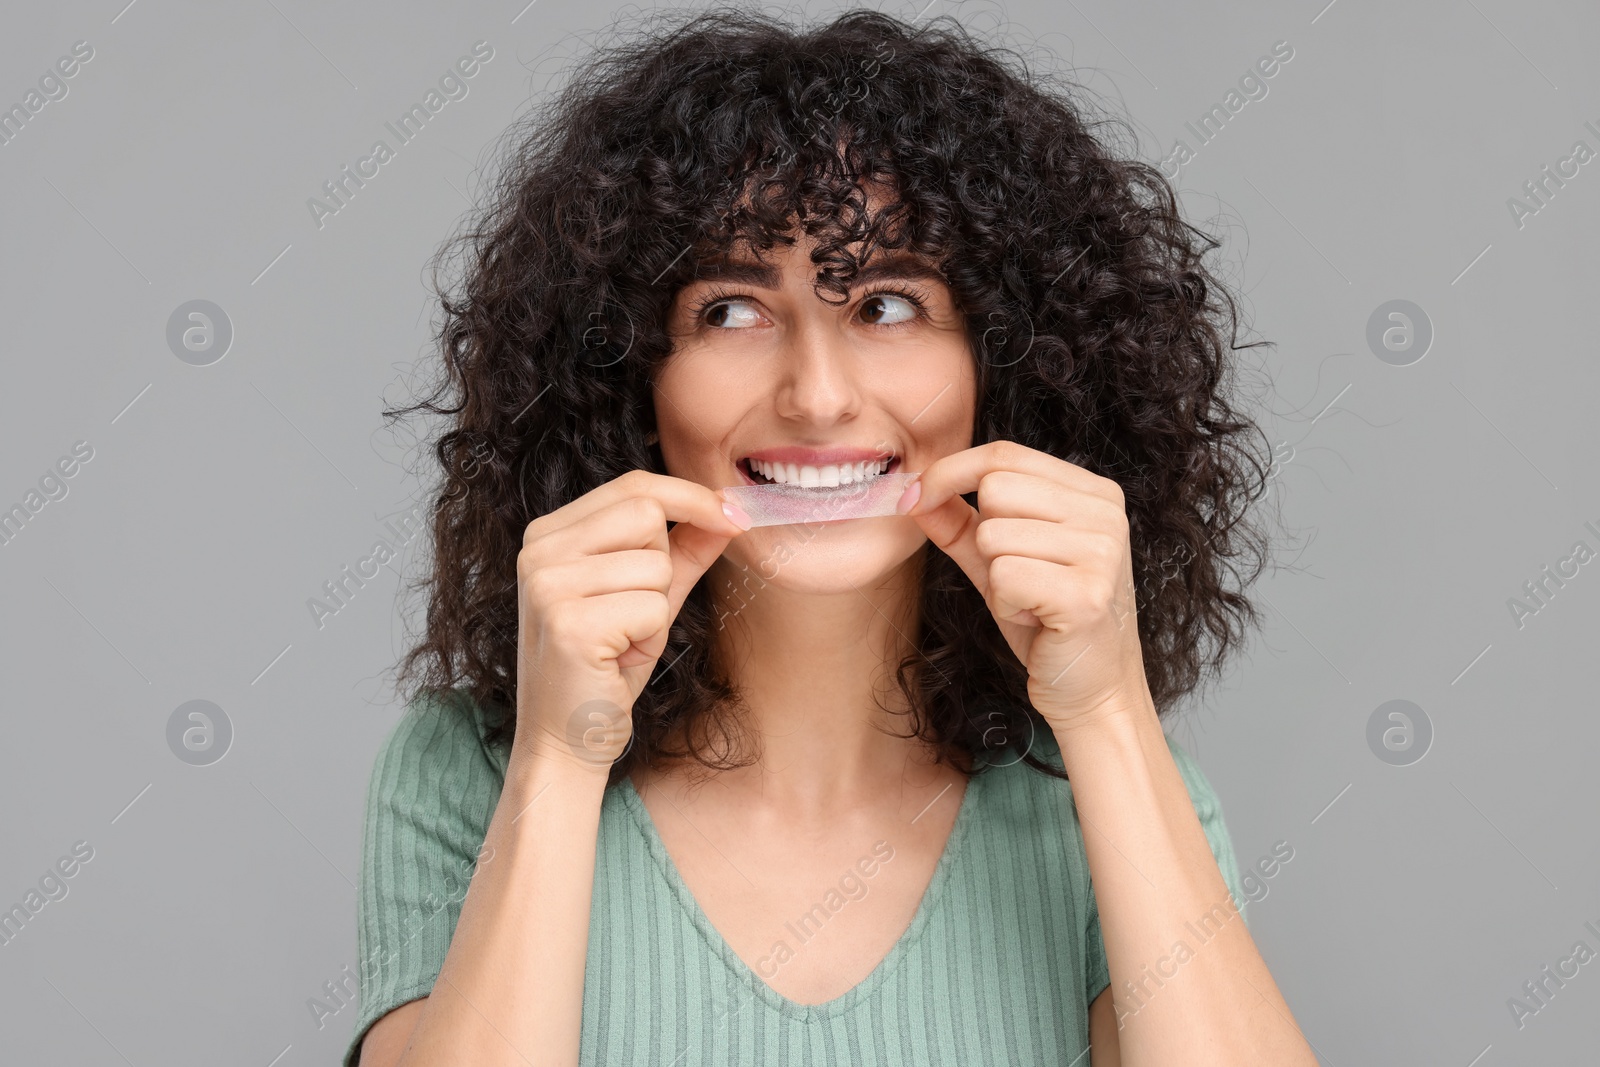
x=680, y=499
x=960, y=472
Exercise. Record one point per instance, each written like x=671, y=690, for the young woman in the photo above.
x=675, y=789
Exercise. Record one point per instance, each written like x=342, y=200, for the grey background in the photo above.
x=220, y=498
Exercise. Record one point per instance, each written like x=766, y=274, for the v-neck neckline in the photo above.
x=743, y=971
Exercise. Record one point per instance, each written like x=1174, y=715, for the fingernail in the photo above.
x=909, y=498
x=736, y=515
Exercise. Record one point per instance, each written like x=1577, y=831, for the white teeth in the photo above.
x=827, y=476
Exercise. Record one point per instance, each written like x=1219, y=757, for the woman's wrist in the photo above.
x=1126, y=706
x=1126, y=723
x=540, y=763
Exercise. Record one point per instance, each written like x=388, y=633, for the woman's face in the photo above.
x=763, y=367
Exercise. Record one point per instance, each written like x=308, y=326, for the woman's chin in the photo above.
x=827, y=557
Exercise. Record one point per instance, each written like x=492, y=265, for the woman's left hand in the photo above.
x=1048, y=550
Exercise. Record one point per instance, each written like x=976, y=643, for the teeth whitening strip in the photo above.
x=784, y=505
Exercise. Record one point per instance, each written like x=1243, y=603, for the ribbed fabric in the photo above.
x=998, y=965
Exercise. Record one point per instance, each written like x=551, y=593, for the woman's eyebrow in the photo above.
x=899, y=268
x=750, y=273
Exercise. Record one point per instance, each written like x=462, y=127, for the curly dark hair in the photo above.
x=1099, y=335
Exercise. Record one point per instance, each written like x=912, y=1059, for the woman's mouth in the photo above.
x=796, y=494
x=825, y=476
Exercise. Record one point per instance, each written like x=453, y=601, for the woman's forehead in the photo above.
x=767, y=271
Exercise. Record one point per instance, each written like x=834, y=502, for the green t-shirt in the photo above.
x=998, y=965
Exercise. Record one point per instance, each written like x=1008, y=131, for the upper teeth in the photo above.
x=830, y=475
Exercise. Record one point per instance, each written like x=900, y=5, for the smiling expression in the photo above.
x=769, y=381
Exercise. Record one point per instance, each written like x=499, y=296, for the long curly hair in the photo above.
x=1099, y=336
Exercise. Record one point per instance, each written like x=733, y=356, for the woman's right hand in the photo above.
x=599, y=582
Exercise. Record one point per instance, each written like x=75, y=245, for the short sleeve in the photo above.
x=432, y=791
x=1209, y=810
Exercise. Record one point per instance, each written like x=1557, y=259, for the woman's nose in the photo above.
x=819, y=380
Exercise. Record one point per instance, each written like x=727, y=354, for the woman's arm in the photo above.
x=599, y=581
x=510, y=991
x=1200, y=992
x=1104, y=1050
x=1048, y=548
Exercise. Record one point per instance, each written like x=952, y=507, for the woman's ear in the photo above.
x=652, y=438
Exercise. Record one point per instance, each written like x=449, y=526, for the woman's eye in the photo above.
x=721, y=315
x=870, y=306
x=879, y=309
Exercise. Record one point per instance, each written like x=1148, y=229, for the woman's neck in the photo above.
x=814, y=670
